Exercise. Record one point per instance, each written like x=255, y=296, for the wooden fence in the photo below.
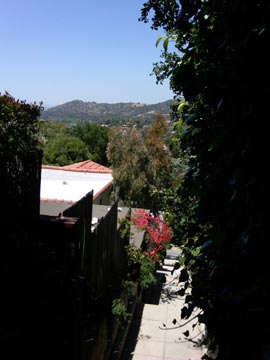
x=19, y=187
x=59, y=281
x=101, y=265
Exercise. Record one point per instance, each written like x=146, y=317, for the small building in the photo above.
x=70, y=183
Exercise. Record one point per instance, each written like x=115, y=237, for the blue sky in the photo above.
x=56, y=51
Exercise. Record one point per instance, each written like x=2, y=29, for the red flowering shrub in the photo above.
x=157, y=233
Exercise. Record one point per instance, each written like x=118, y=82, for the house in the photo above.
x=68, y=184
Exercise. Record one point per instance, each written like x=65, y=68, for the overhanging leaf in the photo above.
x=159, y=40
x=165, y=43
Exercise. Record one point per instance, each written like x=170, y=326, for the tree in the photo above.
x=128, y=156
x=19, y=126
x=141, y=162
x=220, y=67
x=96, y=139
x=49, y=130
x=20, y=156
x=88, y=142
x=158, y=152
x=65, y=150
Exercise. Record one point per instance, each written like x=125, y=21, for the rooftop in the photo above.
x=70, y=183
x=88, y=166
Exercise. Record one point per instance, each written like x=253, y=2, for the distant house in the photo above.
x=68, y=184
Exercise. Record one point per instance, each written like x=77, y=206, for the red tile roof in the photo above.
x=83, y=166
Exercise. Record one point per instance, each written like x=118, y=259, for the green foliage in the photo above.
x=166, y=40
x=160, y=162
x=50, y=131
x=130, y=287
x=124, y=229
x=19, y=126
x=134, y=254
x=140, y=161
x=64, y=145
x=147, y=277
x=119, y=310
x=96, y=139
x=20, y=155
x=128, y=156
x=140, y=267
x=221, y=69
x=65, y=150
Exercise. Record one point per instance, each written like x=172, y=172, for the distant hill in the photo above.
x=80, y=111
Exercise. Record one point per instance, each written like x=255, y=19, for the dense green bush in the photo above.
x=20, y=161
x=140, y=267
x=19, y=126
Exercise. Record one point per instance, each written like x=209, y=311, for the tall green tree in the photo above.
x=128, y=157
x=214, y=56
x=96, y=138
x=160, y=163
x=50, y=130
x=140, y=161
x=87, y=140
x=20, y=145
x=65, y=150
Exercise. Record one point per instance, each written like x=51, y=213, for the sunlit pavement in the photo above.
x=161, y=332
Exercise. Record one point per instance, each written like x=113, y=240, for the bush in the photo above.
x=147, y=277
x=19, y=126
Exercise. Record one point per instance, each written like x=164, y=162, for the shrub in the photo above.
x=19, y=126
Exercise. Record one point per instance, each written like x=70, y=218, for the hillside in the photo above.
x=80, y=111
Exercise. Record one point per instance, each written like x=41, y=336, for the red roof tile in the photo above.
x=83, y=166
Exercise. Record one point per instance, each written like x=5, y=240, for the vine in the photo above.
x=220, y=68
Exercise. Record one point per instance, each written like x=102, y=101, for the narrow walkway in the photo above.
x=157, y=331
